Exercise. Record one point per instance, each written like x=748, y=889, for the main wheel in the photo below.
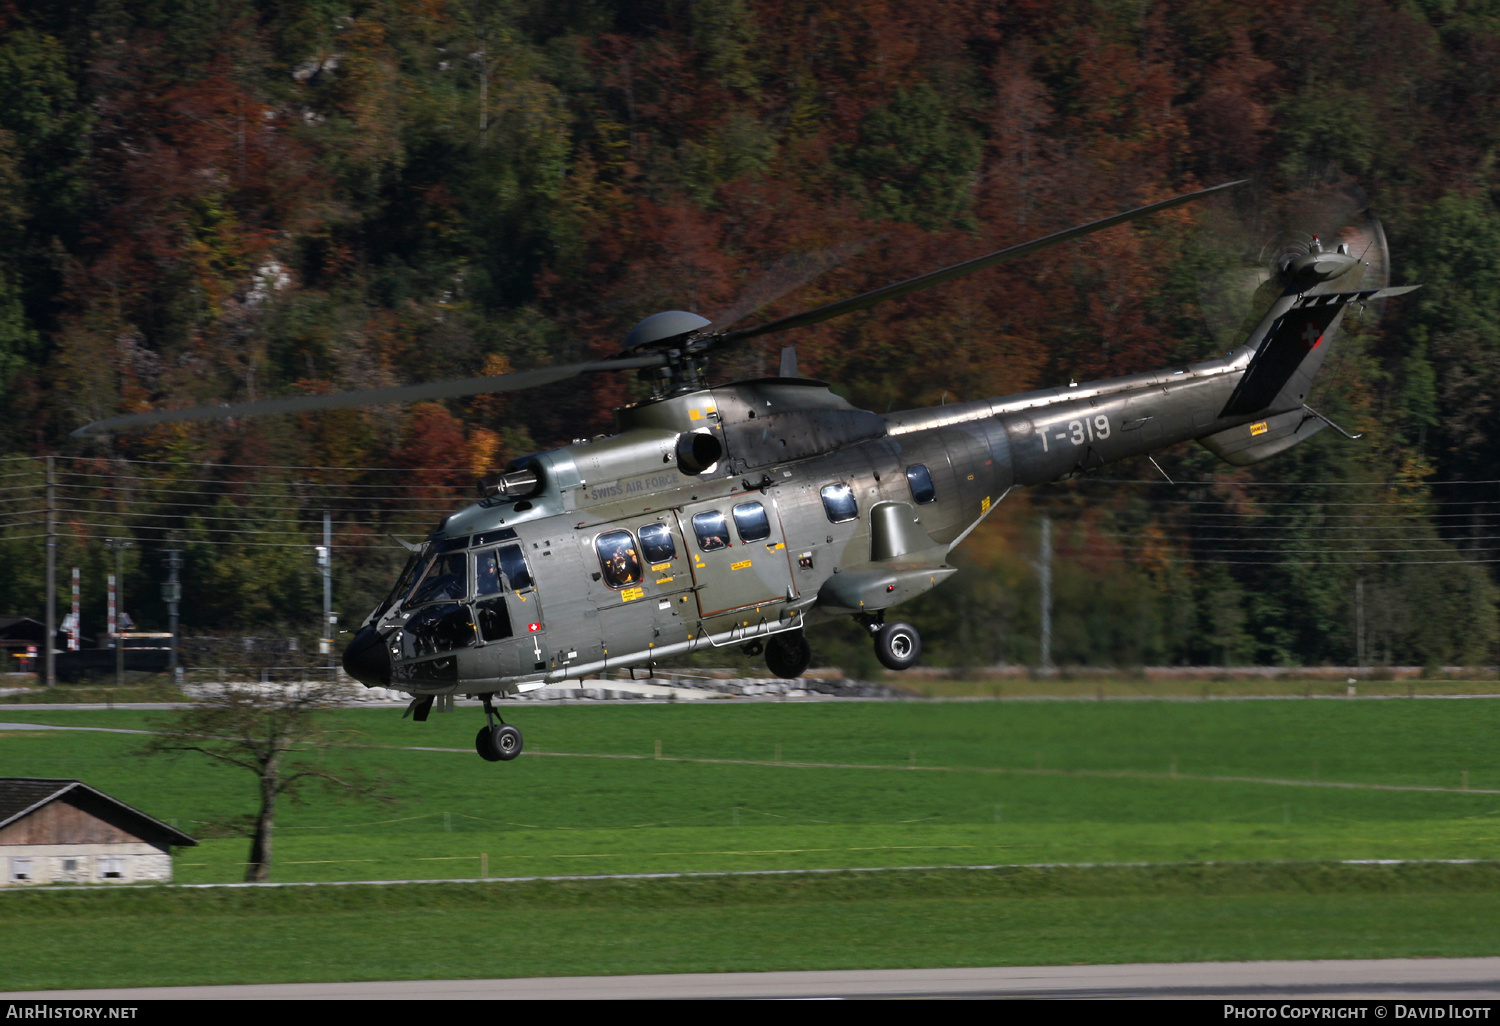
x=897, y=646
x=507, y=741
x=484, y=744
x=788, y=654
x=500, y=743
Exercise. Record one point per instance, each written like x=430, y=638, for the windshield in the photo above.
x=408, y=574
x=443, y=578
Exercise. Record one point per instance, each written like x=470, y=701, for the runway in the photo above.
x=1399, y=979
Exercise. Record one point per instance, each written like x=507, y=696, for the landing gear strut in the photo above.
x=496, y=742
x=897, y=645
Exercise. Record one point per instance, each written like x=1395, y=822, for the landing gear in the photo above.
x=897, y=645
x=788, y=654
x=497, y=742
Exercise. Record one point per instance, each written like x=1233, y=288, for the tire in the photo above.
x=484, y=744
x=788, y=655
x=507, y=742
x=898, y=646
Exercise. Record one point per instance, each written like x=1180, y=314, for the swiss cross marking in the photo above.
x=1311, y=336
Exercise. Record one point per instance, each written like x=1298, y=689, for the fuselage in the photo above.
x=719, y=516
x=622, y=557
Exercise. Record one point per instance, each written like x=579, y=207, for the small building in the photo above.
x=64, y=831
x=21, y=644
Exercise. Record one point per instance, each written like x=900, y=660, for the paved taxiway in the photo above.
x=1412, y=979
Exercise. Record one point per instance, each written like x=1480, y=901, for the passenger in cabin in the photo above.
x=622, y=564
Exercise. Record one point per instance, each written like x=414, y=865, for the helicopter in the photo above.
x=741, y=514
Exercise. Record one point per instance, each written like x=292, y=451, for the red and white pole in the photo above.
x=73, y=634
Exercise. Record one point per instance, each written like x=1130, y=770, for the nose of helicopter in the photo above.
x=367, y=661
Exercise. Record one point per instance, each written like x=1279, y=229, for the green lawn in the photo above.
x=1104, y=792
x=942, y=918
x=993, y=783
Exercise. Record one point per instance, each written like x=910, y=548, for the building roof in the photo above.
x=22, y=628
x=20, y=796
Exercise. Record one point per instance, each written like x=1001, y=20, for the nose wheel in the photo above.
x=497, y=742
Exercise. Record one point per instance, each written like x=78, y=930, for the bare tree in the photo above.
x=280, y=735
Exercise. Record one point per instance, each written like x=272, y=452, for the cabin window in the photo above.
x=751, y=521
x=493, y=619
x=437, y=629
x=513, y=566
x=619, y=559
x=712, y=531
x=657, y=544
x=446, y=579
x=921, y=483
x=839, y=504
x=487, y=574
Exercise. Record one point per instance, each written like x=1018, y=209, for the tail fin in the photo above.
x=1275, y=385
x=1281, y=373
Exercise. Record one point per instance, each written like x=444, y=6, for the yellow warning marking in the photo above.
x=1259, y=428
x=659, y=567
x=665, y=580
x=778, y=545
x=631, y=594
x=740, y=565
x=984, y=507
x=695, y=414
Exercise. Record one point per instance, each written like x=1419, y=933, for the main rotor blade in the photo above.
x=374, y=396
x=867, y=299
x=783, y=276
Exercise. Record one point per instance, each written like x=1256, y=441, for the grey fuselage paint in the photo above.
x=782, y=443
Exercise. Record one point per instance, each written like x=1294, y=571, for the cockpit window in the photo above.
x=839, y=504
x=437, y=629
x=513, y=565
x=493, y=619
x=657, y=544
x=403, y=585
x=921, y=483
x=487, y=574
x=618, y=558
x=712, y=531
x=445, y=580
x=751, y=521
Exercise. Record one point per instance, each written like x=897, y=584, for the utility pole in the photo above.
x=1044, y=575
x=117, y=594
x=1359, y=621
x=49, y=663
x=325, y=563
x=171, y=592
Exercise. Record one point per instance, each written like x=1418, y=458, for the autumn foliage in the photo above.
x=215, y=203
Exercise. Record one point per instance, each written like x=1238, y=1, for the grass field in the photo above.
x=790, y=785
x=1271, y=787
x=153, y=936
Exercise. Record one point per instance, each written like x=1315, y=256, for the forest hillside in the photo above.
x=206, y=201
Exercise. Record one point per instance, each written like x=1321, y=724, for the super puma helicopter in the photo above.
x=738, y=514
